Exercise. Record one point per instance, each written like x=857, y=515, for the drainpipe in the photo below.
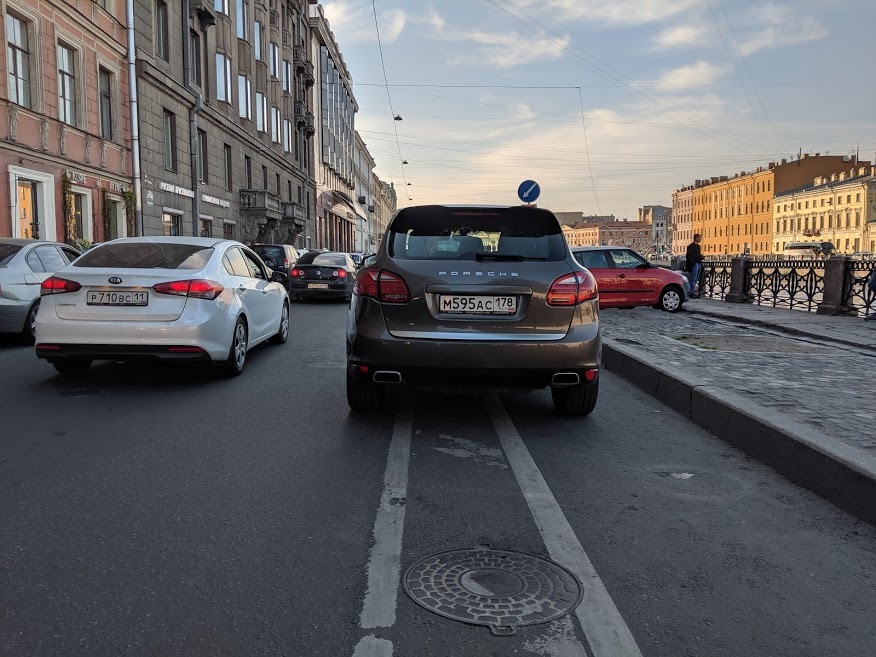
x=135, y=122
x=194, y=110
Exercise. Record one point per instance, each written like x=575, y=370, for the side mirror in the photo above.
x=279, y=277
x=644, y=265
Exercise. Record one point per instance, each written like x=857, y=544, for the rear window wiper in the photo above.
x=503, y=257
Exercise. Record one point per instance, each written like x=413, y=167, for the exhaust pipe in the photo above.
x=385, y=376
x=562, y=379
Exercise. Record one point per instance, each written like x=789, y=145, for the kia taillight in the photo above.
x=383, y=286
x=572, y=289
x=57, y=285
x=196, y=288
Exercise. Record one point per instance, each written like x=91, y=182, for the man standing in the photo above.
x=694, y=265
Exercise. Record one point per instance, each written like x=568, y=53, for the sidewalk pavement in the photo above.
x=787, y=387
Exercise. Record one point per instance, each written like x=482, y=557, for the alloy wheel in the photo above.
x=240, y=346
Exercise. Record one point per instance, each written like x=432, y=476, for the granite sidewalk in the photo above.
x=792, y=389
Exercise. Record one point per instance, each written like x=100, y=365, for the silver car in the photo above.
x=24, y=265
x=480, y=297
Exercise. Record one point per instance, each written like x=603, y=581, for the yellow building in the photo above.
x=736, y=214
x=682, y=219
x=839, y=208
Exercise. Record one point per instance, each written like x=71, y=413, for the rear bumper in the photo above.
x=120, y=352
x=13, y=312
x=332, y=293
x=479, y=378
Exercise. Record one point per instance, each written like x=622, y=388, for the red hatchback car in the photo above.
x=626, y=279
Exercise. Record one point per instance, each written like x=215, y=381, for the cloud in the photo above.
x=681, y=36
x=355, y=19
x=800, y=30
x=698, y=73
x=392, y=23
x=510, y=49
x=618, y=12
x=431, y=18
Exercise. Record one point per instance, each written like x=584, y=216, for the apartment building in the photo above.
x=681, y=225
x=634, y=234
x=65, y=138
x=226, y=119
x=659, y=217
x=839, y=208
x=363, y=172
x=385, y=206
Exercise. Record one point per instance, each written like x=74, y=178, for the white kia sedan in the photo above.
x=172, y=298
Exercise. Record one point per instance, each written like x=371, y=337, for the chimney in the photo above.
x=818, y=155
x=784, y=160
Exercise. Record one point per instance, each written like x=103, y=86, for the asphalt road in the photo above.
x=164, y=511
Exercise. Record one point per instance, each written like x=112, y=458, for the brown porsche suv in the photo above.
x=480, y=297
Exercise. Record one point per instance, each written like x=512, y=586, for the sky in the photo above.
x=608, y=104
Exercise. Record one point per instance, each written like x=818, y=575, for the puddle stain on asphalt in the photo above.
x=466, y=449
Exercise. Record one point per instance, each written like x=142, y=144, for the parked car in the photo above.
x=440, y=307
x=278, y=257
x=24, y=265
x=327, y=275
x=169, y=298
x=367, y=260
x=357, y=259
x=626, y=279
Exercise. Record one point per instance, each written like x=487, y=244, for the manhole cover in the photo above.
x=496, y=588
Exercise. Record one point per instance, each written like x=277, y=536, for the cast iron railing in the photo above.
x=857, y=295
x=794, y=284
x=715, y=279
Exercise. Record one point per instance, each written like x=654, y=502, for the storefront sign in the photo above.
x=212, y=200
x=176, y=189
x=76, y=177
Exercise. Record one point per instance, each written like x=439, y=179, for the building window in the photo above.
x=18, y=58
x=162, y=31
x=278, y=184
x=229, y=168
x=261, y=112
x=172, y=224
x=228, y=231
x=169, y=140
x=257, y=40
x=202, y=157
x=275, y=60
x=105, y=84
x=195, y=57
x=244, y=97
x=223, y=78
x=264, y=177
x=287, y=75
x=247, y=165
x=221, y=6
x=82, y=216
x=275, y=125
x=67, y=84
x=242, y=19
x=206, y=227
x=287, y=135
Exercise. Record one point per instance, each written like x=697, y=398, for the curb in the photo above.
x=779, y=327
x=809, y=458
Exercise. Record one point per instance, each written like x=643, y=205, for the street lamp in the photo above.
x=398, y=117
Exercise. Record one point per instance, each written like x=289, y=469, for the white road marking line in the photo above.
x=607, y=633
x=378, y=609
x=371, y=646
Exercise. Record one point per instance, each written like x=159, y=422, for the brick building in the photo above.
x=64, y=121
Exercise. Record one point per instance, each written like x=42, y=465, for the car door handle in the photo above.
x=621, y=275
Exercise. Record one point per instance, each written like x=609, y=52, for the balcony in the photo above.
x=299, y=55
x=309, y=79
x=293, y=211
x=309, y=125
x=287, y=38
x=300, y=113
x=259, y=202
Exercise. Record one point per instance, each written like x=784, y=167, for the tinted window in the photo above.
x=237, y=262
x=439, y=233
x=51, y=258
x=34, y=262
x=255, y=268
x=275, y=253
x=70, y=254
x=146, y=255
x=323, y=259
x=624, y=259
x=7, y=252
x=593, y=259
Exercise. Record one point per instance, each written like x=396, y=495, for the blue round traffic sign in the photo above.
x=528, y=191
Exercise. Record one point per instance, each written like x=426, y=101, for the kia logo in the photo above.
x=115, y=280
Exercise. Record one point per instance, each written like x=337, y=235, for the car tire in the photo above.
x=363, y=396
x=28, y=333
x=576, y=401
x=234, y=364
x=71, y=368
x=283, y=333
x=671, y=299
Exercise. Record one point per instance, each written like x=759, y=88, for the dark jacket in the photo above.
x=694, y=255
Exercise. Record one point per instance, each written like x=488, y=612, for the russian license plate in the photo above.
x=116, y=298
x=317, y=286
x=477, y=305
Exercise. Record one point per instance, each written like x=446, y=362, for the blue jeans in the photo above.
x=693, y=277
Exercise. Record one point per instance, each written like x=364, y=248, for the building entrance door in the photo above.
x=28, y=210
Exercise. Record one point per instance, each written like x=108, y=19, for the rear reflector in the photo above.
x=48, y=347
x=57, y=285
x=591, y=375
x=196, y=288
x=383, y=286
x=185, y=350
x=572, y=289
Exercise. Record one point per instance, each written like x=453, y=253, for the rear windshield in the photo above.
x=7, y=252
x=146, y=255
x=322, y=259
x=270, y=251
x=440, y=233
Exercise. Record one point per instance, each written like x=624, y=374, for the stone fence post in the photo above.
x=834, y=281
x=738, y=270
